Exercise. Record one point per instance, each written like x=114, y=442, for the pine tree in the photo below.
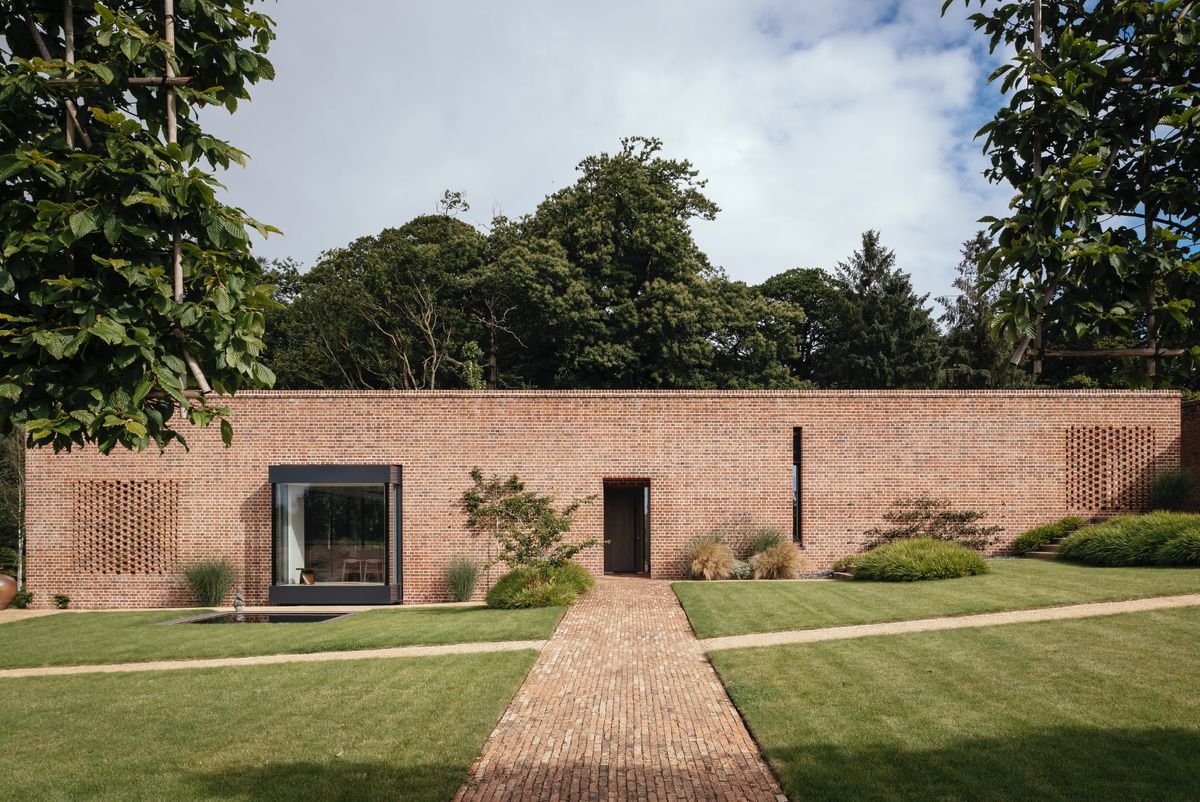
x=884, y=336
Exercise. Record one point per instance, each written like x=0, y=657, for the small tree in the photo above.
x=528, y=529
x=928, y=517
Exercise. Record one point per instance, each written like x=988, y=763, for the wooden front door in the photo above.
x=625, y=529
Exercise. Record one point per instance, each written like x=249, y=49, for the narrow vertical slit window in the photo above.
x=797, y=528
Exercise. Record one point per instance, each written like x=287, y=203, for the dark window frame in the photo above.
x=797, y=485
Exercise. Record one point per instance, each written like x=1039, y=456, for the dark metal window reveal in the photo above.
x=797, y=506
x=330, y=534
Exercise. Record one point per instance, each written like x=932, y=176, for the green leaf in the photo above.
x=108, y=330
x=82, y=223
x=226, y=432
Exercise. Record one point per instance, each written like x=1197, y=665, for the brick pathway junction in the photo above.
x=621, y=704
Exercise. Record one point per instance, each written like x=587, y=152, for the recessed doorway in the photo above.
x=627, y=526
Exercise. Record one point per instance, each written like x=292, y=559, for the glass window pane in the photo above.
x=330, y=533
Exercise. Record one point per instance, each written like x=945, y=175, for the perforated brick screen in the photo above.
x=1108, y=467
x=127, y=527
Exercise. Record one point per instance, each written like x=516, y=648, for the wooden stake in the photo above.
x=1023, y=343
x=69, y=37
x=70, y=104
x=176, y=242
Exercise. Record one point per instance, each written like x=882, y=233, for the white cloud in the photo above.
x=812, y=120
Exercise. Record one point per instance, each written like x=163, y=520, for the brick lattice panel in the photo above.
x=1108, y=467
x=127, y=527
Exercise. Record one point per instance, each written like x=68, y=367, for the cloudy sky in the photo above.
x=812, y=120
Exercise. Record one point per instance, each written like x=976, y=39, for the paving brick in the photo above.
x=621, y=704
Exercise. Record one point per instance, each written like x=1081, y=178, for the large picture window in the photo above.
x=330, y=533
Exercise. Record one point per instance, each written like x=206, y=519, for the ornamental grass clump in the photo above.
x=762, y=539
x=547, y=586
x=210, y=581
x=781, y=561
x=1039, y=536
x=1172, y=490
x=710, y=558
x=1131, y=540
x=917, y=559
x=462, y=573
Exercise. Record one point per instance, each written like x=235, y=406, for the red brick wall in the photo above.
x=1189, y=443
x=712, y=458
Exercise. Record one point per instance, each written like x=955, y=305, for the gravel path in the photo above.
x=950, y=622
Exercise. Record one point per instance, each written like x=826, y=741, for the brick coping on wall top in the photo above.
x=1047, y=393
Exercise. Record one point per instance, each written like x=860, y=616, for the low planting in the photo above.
x=405, y=728
x=532, y=537
x=914, y=560
x=1156, y=538
x=735, y=608
x=1172, y=490
x=780, y=561
x=209, y=580
x=544, y=586
x=761, y=540
x=462, y=574
x=101, y=637
x=764, y=555
x=932, y=518
x=710, y=558
x=1039, y=536
x=1074, y=711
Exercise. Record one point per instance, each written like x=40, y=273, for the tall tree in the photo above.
x=976, y=350
x=104, y=191
x=626, y=224
x=383, y=312
x=1099, y=139
x=884, y=336
x=815, y=293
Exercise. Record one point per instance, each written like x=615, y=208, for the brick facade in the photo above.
x=1189, y=443
x=711, y=458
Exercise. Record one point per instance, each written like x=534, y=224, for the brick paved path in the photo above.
x=621, y=704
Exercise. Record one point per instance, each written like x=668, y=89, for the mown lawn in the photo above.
x=1094, y=709
x=81, y=638
x=733, y=608
x=405, y=728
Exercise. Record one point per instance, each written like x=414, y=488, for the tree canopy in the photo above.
x=98, y=344
x=1099, y=140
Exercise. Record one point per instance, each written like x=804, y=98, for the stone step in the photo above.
x=1042, y=555
x=1051, y=547
x=843, y=575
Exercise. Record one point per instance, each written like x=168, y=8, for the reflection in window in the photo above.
x=330, y=533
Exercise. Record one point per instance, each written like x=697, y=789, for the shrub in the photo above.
x=574, y=576
x=741, y=570
x=10, y=561
x=210, y=581
x=1183, y=549
x=916, y=559
x=1039, y=536
x=61, y=600
x=782, y=561
x=931, y=518
x=550, y=586
x=762, y=539
x=545, y=594
x=1172, y=490
x=1129, y=539
x=21, y=600
x=526, y=526
x=845, y=563
x=710, y=558
x=461, y=575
